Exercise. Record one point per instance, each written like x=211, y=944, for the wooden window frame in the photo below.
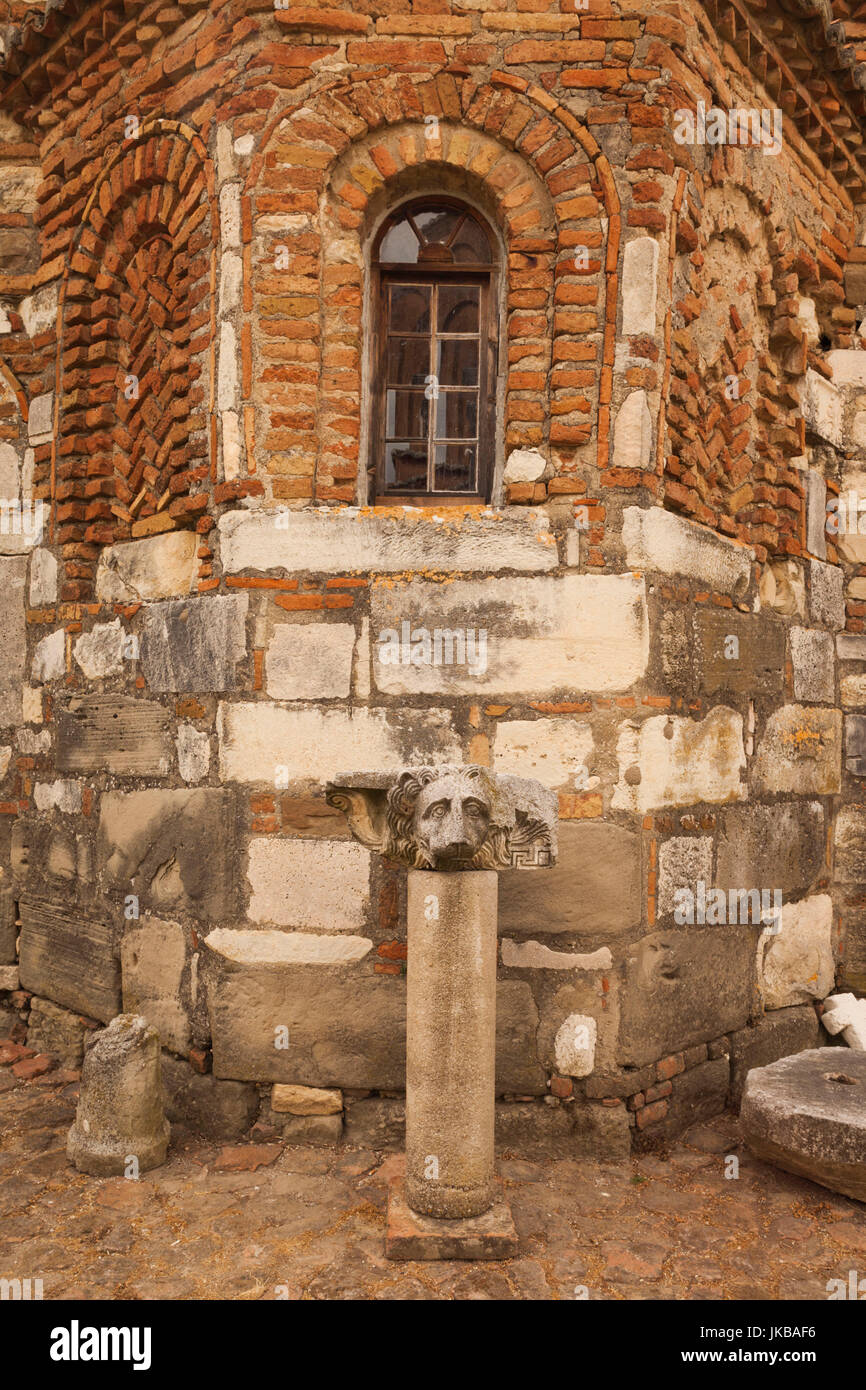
x=486, y=277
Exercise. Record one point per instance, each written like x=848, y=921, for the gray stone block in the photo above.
x=806, y=1114
x=212, y=1107
x=594, y=889
x=575, y=1130
x=776, y=846
x=376, y=1122
x=740, y=652
x=59, y=1032
x=312, y=1129
x=855, y=744
x=13, y=573
x=8, y=928
x=684, y=986
x=194, y=644
x=780, y=1033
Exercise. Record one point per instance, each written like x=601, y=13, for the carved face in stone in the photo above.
x=451, y=819
x=657, y=962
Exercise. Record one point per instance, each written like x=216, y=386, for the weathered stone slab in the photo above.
x=49, y=657
x=532, y=1131
x=99, y=652
x=826, y=594
x=555, y=752
x=43, y=579
x=773, y=846
x=159, y=844
x=800, y=751
x=849, y=835
x=517, y=1067
x=69, y=957
x=114, y=733
x=740, y=652
x=310, y=661
x=633, y=433
x=510, y=636
x=684, y=860
x=320, y=885
x=807, y=1115
x=660, y=541
x=153, y=567
x=13, y=574
x=781, y=1033
x=332, y=540
x=797, y=963
x=260, y=742
x=855, y=744
x=639, y=286
x=683, y=986
x=822, y=405
x=376, y=1122
x=306, y=1100
x=194, y=644
x=851, y=646
x=153, y=958
x=594, y=889
x=668, y=760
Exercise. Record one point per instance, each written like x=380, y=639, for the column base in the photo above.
x=411, y=1236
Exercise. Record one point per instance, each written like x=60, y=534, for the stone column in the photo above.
x=451, y=1043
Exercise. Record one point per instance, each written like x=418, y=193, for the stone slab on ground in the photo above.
x=411, y=1236
x=808, y=1115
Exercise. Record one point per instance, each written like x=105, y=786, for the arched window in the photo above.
x=435, y=347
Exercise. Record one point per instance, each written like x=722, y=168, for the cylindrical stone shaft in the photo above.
x=450, y=1042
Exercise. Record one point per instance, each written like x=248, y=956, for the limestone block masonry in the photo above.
x=645, y=588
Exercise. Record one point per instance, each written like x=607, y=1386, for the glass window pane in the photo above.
x=457, y=415
x=408, y=361
x=436, y=224
x=406, y=415
x=406, y=467
x=458, y=308
x=471, y=246
x=455, y=468
x=457, y=361
x=409, y=309
x=400, y=244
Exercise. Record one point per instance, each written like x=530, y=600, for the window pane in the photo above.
x=458, y=308
x=406, y=415
x=406, y=467
x=408, y=361
x=470, y=246
x=437, y=224
x=457, y=361
x=455, y=468
x=409, y=309
x=457, y=415
x=400, y=244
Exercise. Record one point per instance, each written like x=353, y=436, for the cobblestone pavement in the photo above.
x=309, y=1222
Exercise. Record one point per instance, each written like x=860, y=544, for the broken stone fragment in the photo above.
x=120, y=1125
x=846, y=1014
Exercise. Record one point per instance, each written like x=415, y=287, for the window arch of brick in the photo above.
x=133, y=449
x=332, y=164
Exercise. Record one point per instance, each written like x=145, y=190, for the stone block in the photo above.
x=260, y=742
x=376, y=1122
x=665, y=543
x=797, y=963
x=848, y=367
x=517, y=1067
x=411, y=1236
x=555, y=752
x=325, y=540
x=120, y=1111
x=310, y=661
x=813, y=657
x=669, y=760
x=594, y=889
x=740, y=652
x=850, y=646
x=683, y=860
x=800, y=751
x=319, y=885
x=538, y=1131
x=153, y=957
x=684, y=986
x=575, y=1045
x=849, y=838
x=501, y=636
x=806, y=1115
x=855, y=744
x=640, y=287
x=57, y=1032
x=158, y=844
x=193, y=752
x=532, y=955
x=781, y=1033
x=633, y=433
x=846, y=1014
x=99, y=652
x=13, y=573
x=305, y=1100
x=49, y=658
x=324, y=1130
x=43, y=579
x=154, y=567
x=524, y=466
x=782, y=588
x=853, y=691
x=69, y=957
x=775, y=846
x=8, y=927
x=816, y=513
x=822, y=407
x=194, y=644
x=113, y=733
x=212, y=1107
